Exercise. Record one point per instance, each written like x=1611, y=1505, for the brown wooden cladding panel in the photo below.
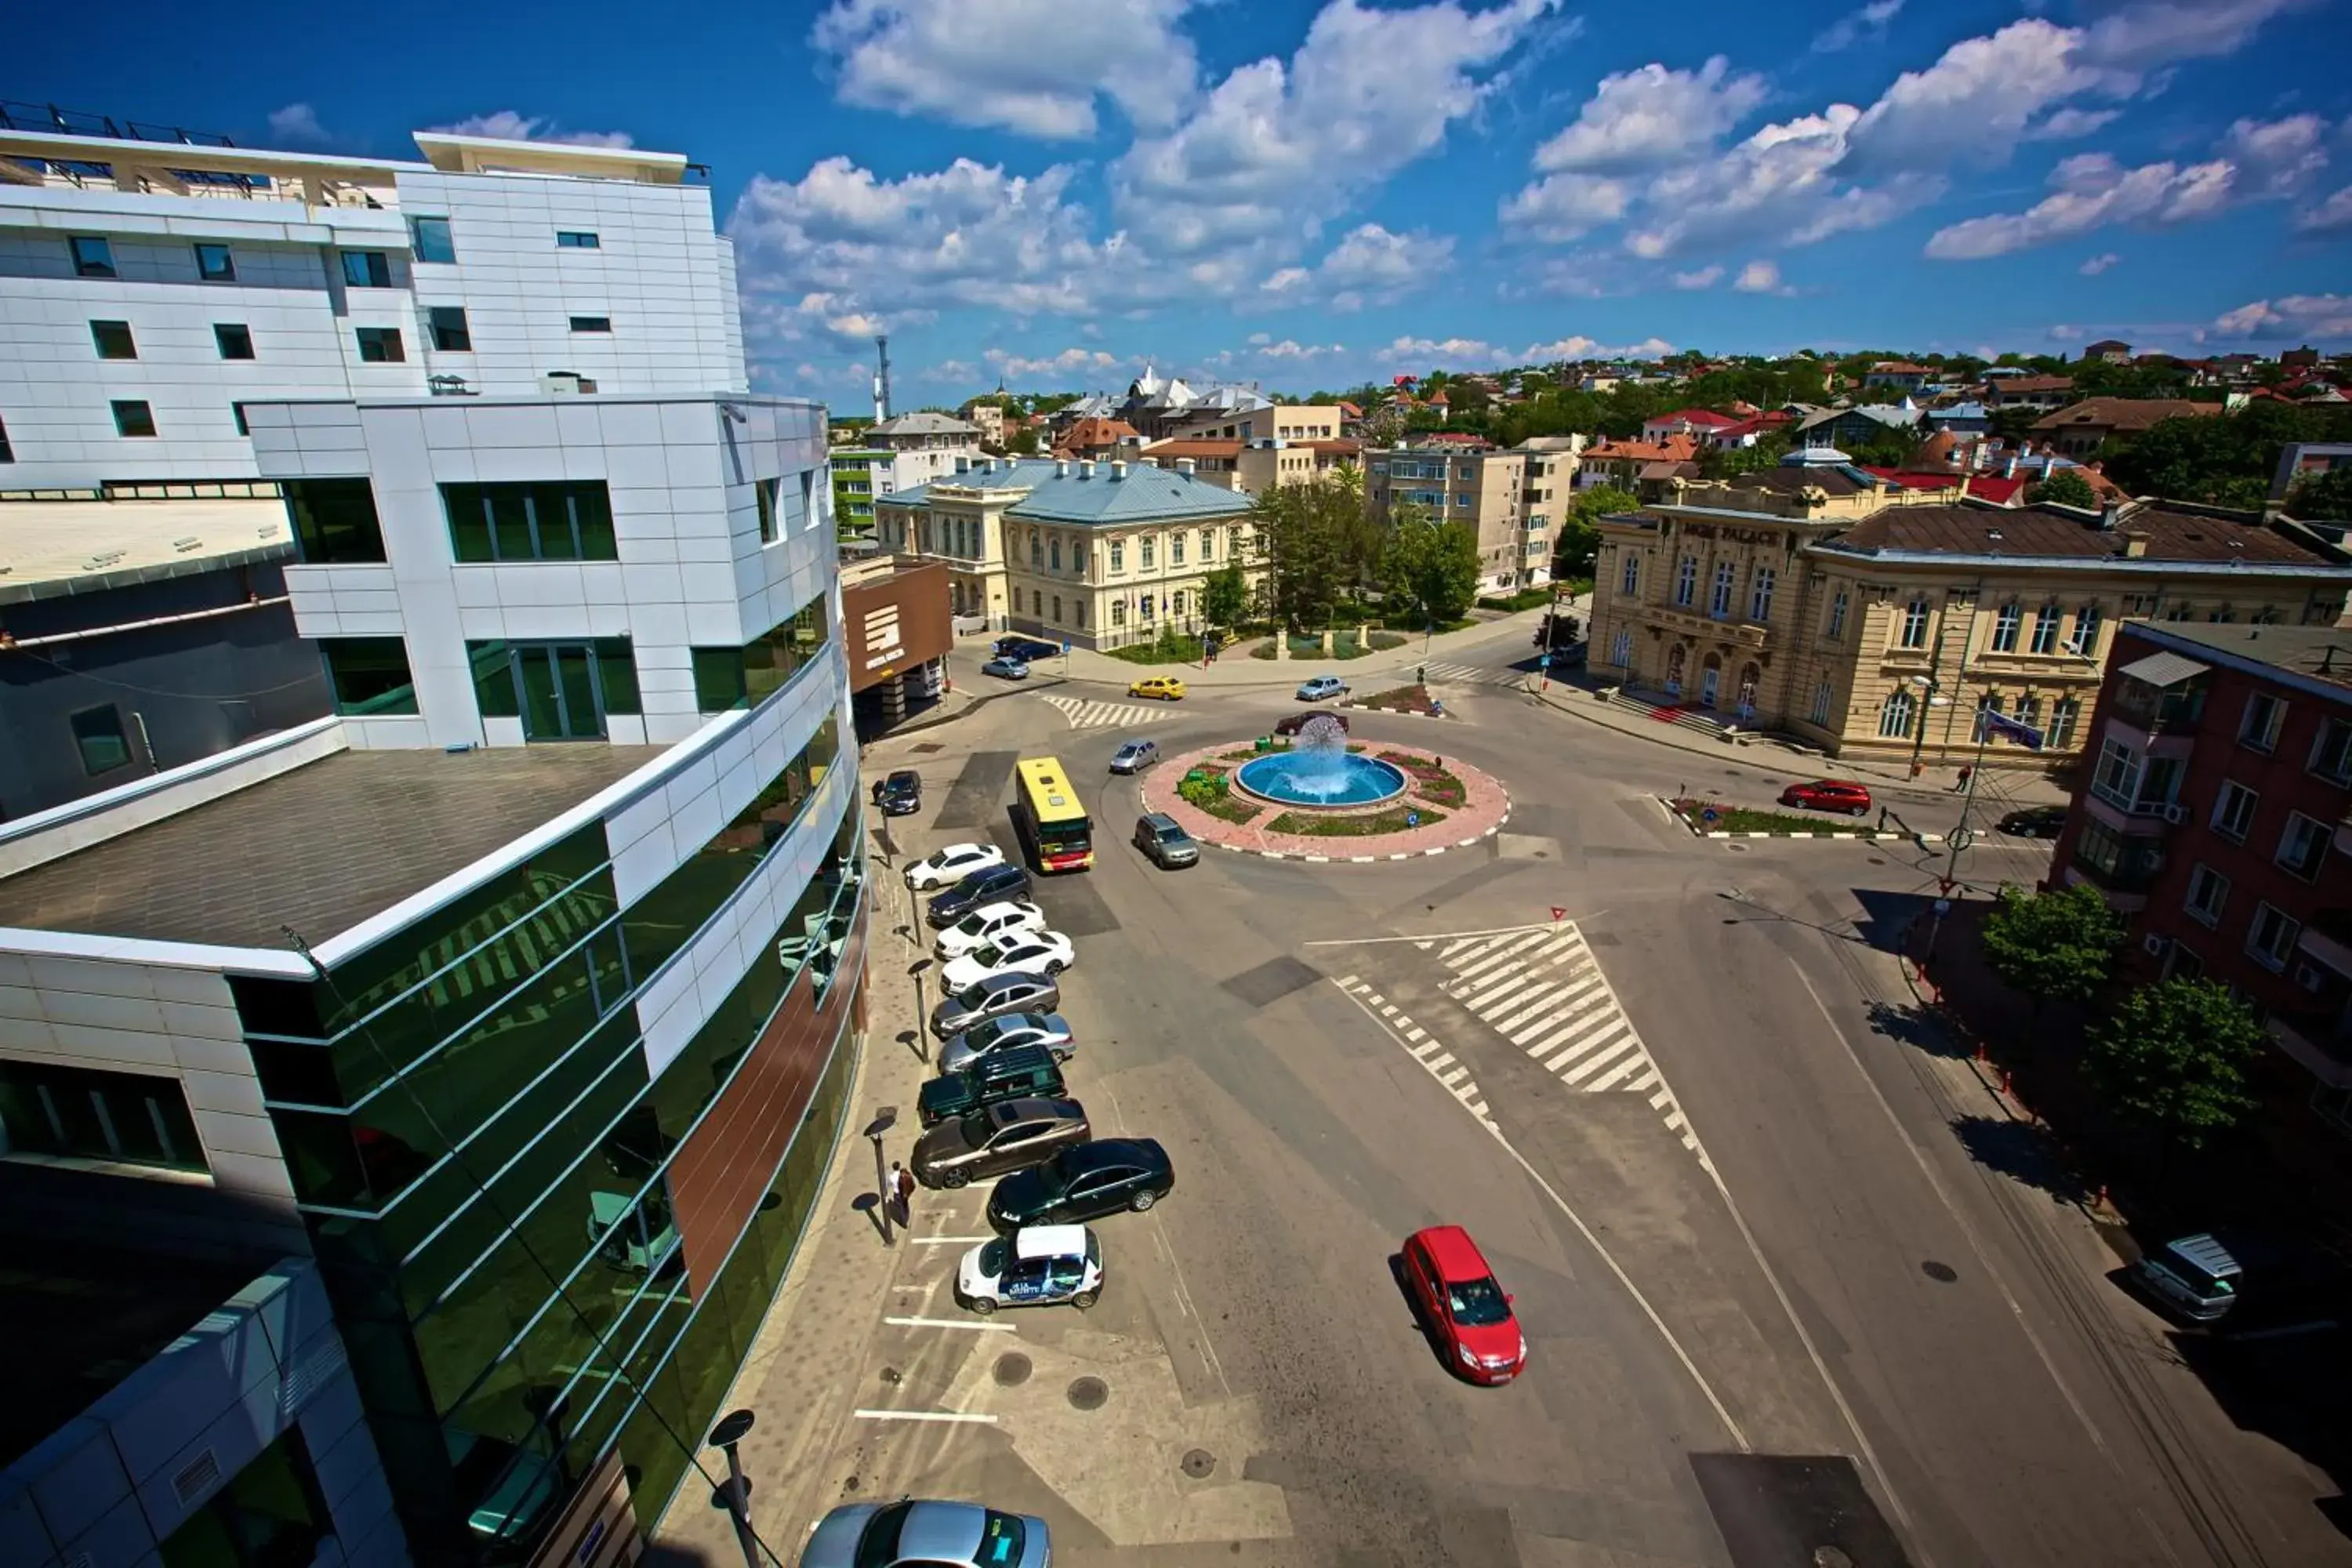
x=723, y=1169
x=921, y=628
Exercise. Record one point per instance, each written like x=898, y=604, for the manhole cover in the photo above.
x=1735, y=847
x=1942, y=1273
x=1088, y=1392
x=892, y=1375
x=1198, y=1463
x=1011, y=1369
x=925, y=748
x=1831, y=1557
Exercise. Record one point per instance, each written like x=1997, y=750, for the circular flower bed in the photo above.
x=1446, y=804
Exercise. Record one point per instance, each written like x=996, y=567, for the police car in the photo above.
x=1036, y=1266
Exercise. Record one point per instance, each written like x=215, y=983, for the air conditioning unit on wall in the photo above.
x=2155, y=944
x=2310, y=976
x=2176, y=814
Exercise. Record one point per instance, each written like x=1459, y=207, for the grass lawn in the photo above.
x=1525, y=599
x=1431, y=783
x=1229, y=808
x=1314, y=825
x=1740, y=819
x=1164, y=649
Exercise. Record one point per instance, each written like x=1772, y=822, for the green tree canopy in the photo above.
x=2066, y=487
x=1317, y=543
x=2322, y=497
x=2054, y=946
x=1431, y=565
x=1023, y=442
x=1578, y=542
x=2174, y=1057
x=1224, y=597
x=2226, y=458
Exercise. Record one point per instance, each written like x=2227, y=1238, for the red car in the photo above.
x=1458, y=1299
x=1829, y=794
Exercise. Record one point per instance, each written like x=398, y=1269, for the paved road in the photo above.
x=1789, y=1279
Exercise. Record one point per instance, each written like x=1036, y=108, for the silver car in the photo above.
x=1134, y=757
x=916, y=1533
x=1050, y=1030
x=992, y=996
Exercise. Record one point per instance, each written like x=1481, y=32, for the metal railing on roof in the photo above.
x=16, y=116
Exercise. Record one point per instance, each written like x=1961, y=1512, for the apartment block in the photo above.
x=1493, y=491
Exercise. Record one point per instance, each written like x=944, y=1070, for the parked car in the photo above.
x=1318, y=688
x=1571, y=656
x=1005, y=1032
x=911, y=1533
x=1016, y=1072
x=1016, y=951
x=1464, y=1309
x=1006, y=668
x=996, y=1139
x=1017, y=992
x=1042, y=1265
x=899, y=795
x=1165, y=687
x=1158, y=835
x=2196, y=1277
x=1829, y=794
x=1134, y=757
x=984, y=925
x=1088, y=1182
x=1028, y=650
x=2034, y=822
x=946, y=868
x=1291, y=723
x=993, y=886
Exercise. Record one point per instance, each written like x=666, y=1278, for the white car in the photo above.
x=1036, y=1266
x=946, y=868
x=985, y=924
x=1014, y=953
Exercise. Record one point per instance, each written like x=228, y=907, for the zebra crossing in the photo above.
x=1451, y=1076
x=1087, y=713
x=1443, y=672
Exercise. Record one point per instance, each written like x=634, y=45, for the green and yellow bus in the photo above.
x=1052, y=824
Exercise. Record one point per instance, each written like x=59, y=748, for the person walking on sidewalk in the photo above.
x=1960, y=784
x=901, y=1195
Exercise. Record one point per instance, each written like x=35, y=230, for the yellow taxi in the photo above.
x=1166, y=688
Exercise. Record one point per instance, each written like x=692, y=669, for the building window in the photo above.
x=2028, y=712
x=2270, y=936
x=93, y=257
x=2258, y=730
x=80, y=1113
x=1143, y=606
x=234, y=339
x=379, y=345
x=2005, y=623
x=1036, y=550
x=592, y=323
x=746, y=677
x=1629, y=581
x=557, y=520
x=1056, y=553
x=367, y=269
x=1176, y=604
x=113, y=340
x=1686, y=582
x=1915, y=625
x=2233, y=811
x=1058, y=607
x=1836, y=628
x=446, y=324
x=237, y=412
x=272, y=1511
x=2086, y=632
x=576, y=239
x=134, y=418
x=2064, y=713
x=1719, y=601
x=369, y=676
x=1146, y=548
x=2303, y=845
x=215, y=264
x=1894, y=715
x=1036, y=601
x=2046, y=621
x=1176, y=549
x=764, y=496
x=2208, y=891
x=98, y=737
x=429, y=238
x=1760, y=596
x=1987, y=707
x=2116, y=779
x=1119, y=612
x=9, y=453
x=1824, y=695
x=334, y=522
x=2331, y=749
x=1621, y=648
x=1208, y=544
x=1078, y=611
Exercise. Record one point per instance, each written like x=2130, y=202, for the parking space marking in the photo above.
x=980, y=1416
x=948, y=1241
x=983, y=1324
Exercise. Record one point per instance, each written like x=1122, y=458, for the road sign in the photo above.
x=1558, y=913
x=1412, y=819
x=1709, y=817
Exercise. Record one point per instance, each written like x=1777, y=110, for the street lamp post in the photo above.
x=883, y=1120
x=732, y=1429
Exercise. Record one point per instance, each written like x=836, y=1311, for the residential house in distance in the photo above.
x=859, y=474
x=2109, y=350
x=1902, y=375
x=1622, y=463
x=924, y=445
x=1698, y=422
x=1293, y=422
x=2043, y=391
x=988, y=418
x=1254, y=467
x=1844, y=632
x=1097, y=437
x=2301, y=461
x=2080, y=430
x=1487, y=490
x=1862, y=425
x=2217, y=817
x=1099, y=554
x=1960, y=419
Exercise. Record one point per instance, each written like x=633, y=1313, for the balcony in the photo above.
x=1690, y=623
x=2320, y=1043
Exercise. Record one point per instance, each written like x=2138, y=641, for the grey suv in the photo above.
x=1158, y=836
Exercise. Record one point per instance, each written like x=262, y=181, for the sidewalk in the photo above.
x=1235, y=667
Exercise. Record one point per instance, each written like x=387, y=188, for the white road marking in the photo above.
x=979, y=1416
x=1088, y=713
x=948, y=1241
x=1456, y=1082
x=983, y=1325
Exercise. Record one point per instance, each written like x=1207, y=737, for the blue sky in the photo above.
x=1050, y=194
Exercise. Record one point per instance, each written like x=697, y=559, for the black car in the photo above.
x=1015, y=1072
x=900, y=794
x=988, y=886
x=2034, y=822
x=1027, y=650
x=1084, y=1182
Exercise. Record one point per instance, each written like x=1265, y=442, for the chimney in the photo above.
x=1185, y=466
x=1061, y=467
x=2109, y=515
x=1118, y=470
x=2135, y=544
x=1086, y=468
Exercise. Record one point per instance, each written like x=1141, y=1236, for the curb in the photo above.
x=1373, y=859
x=1875, y=838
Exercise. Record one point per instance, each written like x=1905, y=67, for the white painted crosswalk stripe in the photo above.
x=1090, y=713
x=1451, y=1076
x=1446, y=672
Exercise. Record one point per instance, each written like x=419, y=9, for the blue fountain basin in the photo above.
x=1321, y=781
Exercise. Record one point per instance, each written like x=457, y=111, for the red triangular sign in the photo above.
x=1558, y=913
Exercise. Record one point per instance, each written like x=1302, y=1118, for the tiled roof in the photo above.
x=1146, y=493
x=923, y=423
x=1674, y=448
x=1193, y=446
x=1706, y=418
x=2046, y=532
x=2009, y=384
x=2122, y=413
x=1100, y=433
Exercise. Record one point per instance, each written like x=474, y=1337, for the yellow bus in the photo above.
x=1053, y=825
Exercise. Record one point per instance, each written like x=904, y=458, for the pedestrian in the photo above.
x=1960, y=784
x=1420, y=675
x=902, y=1193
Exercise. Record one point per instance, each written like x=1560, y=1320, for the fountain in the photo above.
x=1320, y=773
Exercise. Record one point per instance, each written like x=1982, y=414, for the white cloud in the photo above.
x=2071, y=124
x=1265, y=351
x=2142, y=37
x=1855, y=26
x=1704, y=278
x=2063, y=333
x=2297, y=316
x=1973, y=104
x=949, y=370
x=1780, y=186
x=1760, y=276
x=1567, y=206
x=507, y=125
x=296, y=123
x=1370, y=264
x=1277, y=149
x=1070, y=362
x=2331, y=216
x=1031, y=66
x=1641, y=119
x=1450, y=353
x=2279, y=156
x=1586, y=348
x=2098, y=264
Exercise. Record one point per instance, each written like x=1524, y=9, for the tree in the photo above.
x=2054, y=946
x=1316, y=542
x=2227, y=459
x=2067, y=488
x=1577, y=543
x=2174, y=1057
x=1224, y=597
x=1431, y=565
x=1023, y=442
x=2322, y=497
